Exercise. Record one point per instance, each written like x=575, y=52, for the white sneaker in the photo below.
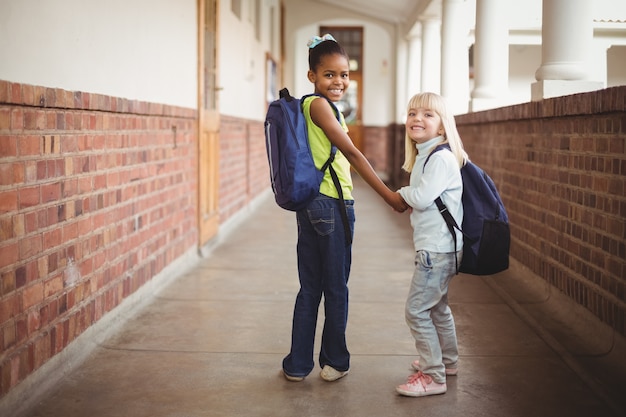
x=420, y=385
x=291, y=377
x=449, y=371
x=331, y=374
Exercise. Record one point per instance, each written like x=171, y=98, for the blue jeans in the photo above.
x=324, y=261
x=428, y=314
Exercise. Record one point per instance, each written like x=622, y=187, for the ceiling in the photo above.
x=403, y=12
x=406, y=12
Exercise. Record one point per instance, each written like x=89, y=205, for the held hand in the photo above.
x=397, y=202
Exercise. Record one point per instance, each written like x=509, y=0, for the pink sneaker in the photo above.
x=420, y=385
x=449, y=371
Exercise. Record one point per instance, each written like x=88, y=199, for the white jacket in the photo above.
x=441, y=177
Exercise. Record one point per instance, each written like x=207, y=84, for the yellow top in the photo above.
x=320, y=148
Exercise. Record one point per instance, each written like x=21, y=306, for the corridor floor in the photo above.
x=212, y=341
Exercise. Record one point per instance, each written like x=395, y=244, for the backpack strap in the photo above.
x=437, y=148
x=333, y=148
x=451, y=223
x=284, y=93
x=344, y=210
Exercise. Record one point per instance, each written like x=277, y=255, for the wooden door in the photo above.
x=208, y=121
x=351, y=106
x=351, y=38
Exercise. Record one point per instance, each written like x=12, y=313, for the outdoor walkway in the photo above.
x=211, y=343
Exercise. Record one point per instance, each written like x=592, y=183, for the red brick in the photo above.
x=6, y=228
x=50, y=192
x=19, y=174
x=29, y=197
x=70, y=231
x=60, y=337
x=5, y=92
x=30, y=246
x=99, y=182
x=99, y=220
x=52, y=238
x=32, y=295
x=5, y=118
x=58, y=167
x=21, y=329
x=68, y=143
x=9, y=336
x=113, y=179
x=69, y=99
x=34, y=119
x=30, y=171
x=29, y=146
x=85, y=226
x=39, y=95
x=15, y=365
x=42, y=267
x=69, y=187
x=50, y=120
x=60, y=120
x=617, y=186
x=8, y=201
x=78, y=121
x=9, y=308
x=69, y=121
x=16, y=93
x=31, y=221
x=53, y=310
x=8, y=146
x=27, y=364
x=17, y=120
x=34, y=321
x=42, y=169
x=28, y=95
x=84, y=186
x=41, y=350
x=53, y=286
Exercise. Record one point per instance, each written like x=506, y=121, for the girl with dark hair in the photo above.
x=324, y=256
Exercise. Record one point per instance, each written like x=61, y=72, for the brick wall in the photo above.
x=560, y=165
x=97, y=196
x=244, y=171
x=376, y=149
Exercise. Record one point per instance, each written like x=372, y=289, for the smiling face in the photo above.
x=331, y=76
x=423, y=125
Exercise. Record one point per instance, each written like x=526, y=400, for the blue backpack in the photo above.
x=485, y=226
x=294, y=177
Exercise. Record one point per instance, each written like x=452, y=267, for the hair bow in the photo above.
x=316, y=40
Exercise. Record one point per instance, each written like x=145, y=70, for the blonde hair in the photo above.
x=451, y=136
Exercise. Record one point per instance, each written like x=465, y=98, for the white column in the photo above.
x=402, y=75
x=455, y=55
x=567, y=36
x=431, y=55
x=491, y=55
x=415, y=63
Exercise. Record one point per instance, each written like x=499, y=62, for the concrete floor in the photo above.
x=212, y=341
